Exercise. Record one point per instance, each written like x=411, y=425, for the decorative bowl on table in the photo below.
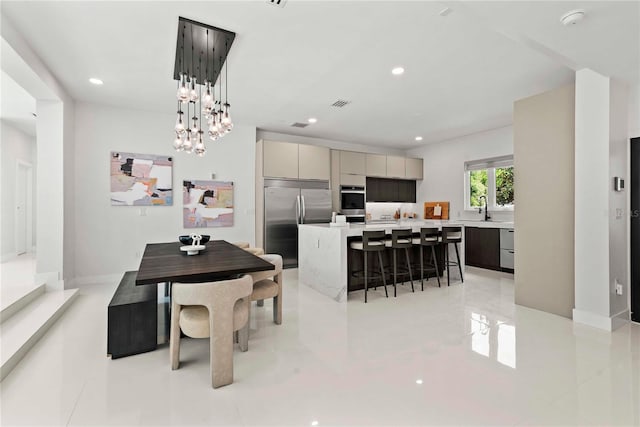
x=188, y=240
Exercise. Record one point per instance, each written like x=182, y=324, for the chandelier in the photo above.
x=201, y=71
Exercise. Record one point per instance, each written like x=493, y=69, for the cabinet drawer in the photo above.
x=506, y=238
x=506, y=258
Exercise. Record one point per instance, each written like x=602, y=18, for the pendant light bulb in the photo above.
x=194, y=126
x=188, y=144
x=193, y=93
x=178, y=144
x=179, y=128
x=183, y=91
x=199, y=149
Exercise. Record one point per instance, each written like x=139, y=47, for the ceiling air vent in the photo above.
x=279, y=3
x=300, y=125
x=340, y=103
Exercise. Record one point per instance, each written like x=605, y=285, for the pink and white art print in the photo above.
x=207, y=204
x=141, y=179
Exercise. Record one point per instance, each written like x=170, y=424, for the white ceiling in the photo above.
x=463, y=71
x=16, y=105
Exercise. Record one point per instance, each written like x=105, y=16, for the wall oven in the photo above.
x=352, y=203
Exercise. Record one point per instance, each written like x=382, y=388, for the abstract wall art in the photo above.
x=141, y=179
x=207, y=204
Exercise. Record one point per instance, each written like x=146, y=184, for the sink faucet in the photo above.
x=486, y=209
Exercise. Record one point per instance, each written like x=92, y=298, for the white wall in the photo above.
x=619, y=221
x=634, y=111
x=444, y=168
x=14, y=145
x=592, y=194
x=111, y=239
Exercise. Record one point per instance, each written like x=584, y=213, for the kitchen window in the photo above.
x=491, y=178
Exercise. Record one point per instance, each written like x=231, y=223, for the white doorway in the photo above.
x=24, y=208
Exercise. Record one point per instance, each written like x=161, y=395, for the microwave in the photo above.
x=352, y=200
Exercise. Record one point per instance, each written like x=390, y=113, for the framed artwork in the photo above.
x=207, y=204
x=141, y=179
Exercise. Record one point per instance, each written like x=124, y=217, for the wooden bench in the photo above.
x=132, y=325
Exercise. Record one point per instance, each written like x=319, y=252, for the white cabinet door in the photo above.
x=314, y=162
x=395, y=167
x=280, y=159
x=347, y=179
x=352, y=163
x=414, y=168
x=376, y=165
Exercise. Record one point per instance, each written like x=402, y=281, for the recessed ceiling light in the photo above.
x=418, y=382
x=314, y=423
x=96, y=81
x=418, y=138
x=312, y=120
x=572, y=17
x=445, y=11
x=397, y=71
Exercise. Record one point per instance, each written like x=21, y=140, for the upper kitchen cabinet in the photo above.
x=314, y=162
x=295, y=161
x=396, y=167
x=413, y=168
x=376, y=165
x=280, y=159
x=353, y=163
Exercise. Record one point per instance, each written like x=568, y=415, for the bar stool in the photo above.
x=372, y=241
x=400, y=239
x=452, y=235
x=428, y=239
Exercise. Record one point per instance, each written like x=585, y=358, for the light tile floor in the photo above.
x=464, y=355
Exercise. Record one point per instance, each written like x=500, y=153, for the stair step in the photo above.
x=14, y=299
x=23, y=329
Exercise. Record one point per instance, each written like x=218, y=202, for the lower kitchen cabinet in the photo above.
x=482, y=247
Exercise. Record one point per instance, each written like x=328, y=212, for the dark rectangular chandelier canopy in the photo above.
x=201, y=50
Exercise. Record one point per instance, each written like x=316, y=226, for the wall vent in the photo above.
x=340, y=103
x=279, y=3
x=300, y=125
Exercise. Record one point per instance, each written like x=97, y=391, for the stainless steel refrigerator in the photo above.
x=288, y=203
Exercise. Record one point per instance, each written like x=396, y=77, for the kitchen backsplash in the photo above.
x=378, y=211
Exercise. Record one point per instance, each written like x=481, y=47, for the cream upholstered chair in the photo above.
x=241, y=245
x=266, y=284
x=247, y=247
x=214, y=310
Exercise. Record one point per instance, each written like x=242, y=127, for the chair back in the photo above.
x=373, y=240
x=401, y=238
x=429, y=236
x=451, y=234
x=224, y=292
x=274, y=259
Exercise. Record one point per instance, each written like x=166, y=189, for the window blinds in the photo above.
x=494, y=162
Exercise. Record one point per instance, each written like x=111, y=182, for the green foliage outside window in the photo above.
x=478, y=184
x=504, y=186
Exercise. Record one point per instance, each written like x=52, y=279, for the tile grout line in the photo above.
x=75, y=405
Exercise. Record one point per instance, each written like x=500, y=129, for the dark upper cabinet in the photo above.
x=391, y=190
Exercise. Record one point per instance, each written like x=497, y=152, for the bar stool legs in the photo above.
x=395, y=270
x=434, y=262
x=366, y=272
x=446, y=254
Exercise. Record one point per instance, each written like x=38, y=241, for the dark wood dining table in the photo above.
x=164, y=262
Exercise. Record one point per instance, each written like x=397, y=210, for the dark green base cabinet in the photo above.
x=483, y=248
x=355, y=262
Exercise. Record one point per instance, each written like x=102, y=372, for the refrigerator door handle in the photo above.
x=304, y=211
x=298, y=217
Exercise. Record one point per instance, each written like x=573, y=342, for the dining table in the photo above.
x=166, y=263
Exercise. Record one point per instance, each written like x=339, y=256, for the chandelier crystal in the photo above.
x=201, y=54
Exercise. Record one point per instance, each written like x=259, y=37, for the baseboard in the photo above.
x=601, y=322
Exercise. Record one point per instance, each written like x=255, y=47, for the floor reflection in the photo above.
x=495, y=339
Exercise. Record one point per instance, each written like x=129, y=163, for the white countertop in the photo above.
x=353, y=229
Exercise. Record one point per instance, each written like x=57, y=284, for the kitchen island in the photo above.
x=323, y=261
